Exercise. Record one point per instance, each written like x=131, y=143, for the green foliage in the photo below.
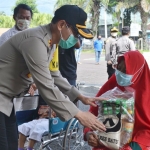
x=84, y=4
x=143, y=51
x=6, y=21
x=31, y=3
x=127, y=17
x=88, y=51
x=2, y=13
x=111, y=6
x=112, y=3
x=38, y=19
x=116, y=18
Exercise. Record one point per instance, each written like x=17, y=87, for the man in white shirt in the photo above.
x=22, y=16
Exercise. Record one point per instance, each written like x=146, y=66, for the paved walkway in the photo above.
x=147, y=57
x=89, y=73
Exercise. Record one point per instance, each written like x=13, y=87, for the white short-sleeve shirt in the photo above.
x=8, y=34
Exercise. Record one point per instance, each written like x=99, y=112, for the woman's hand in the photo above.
x=92, y=139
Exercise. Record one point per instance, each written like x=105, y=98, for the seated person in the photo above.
x=132, y=71
x=34, y=129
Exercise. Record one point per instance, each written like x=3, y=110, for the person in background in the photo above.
x=123, y=45
x=68, y=64
x=22, y=16
x=78, y=51
x=132, y=72
x=108, y=48
x=98, y=46
x=35, y=128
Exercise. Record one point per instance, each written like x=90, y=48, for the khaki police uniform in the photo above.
x=108, y=45
x=124, y=44
x=108, y=49
x=25, y=58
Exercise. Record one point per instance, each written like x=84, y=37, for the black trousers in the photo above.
x=8, y=132
x=110, y=70
x=72, y=82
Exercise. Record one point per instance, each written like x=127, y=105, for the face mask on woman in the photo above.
x=70, y=42
x=23, y=24
x=126, y=79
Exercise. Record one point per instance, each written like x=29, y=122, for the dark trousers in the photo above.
x=110, y=70
x=8, y=132
x=72, y=82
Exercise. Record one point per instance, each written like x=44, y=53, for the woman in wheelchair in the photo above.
x=132, y=71
x=34, y=129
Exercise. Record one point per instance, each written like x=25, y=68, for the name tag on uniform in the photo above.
x=54, y=64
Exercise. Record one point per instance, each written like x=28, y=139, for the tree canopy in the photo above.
x=31, y=3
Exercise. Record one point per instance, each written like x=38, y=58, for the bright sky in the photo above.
x=45, y=6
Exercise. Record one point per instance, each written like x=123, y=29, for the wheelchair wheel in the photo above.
x=73, y=139
x=51, y=144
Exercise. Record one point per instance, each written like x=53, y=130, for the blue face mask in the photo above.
x=126, y=79
x=123, y=79
x=70, y=42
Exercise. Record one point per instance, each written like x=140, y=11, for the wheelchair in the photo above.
x=61, y=135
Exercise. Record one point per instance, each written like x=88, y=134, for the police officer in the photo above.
x=124, y=44
x=108, y=47
x=25, y=58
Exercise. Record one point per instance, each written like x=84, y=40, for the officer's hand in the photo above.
x=87, y=119
x=90, y=100
x=109, y=62
x=32, y=89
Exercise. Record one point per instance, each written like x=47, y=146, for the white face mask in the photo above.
x=114, y=34
x=23, y=24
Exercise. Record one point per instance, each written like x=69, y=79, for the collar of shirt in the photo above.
x=48, y=35
x=14, y=30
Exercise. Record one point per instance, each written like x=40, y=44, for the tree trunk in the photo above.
x=95, y=10
x=144, y=18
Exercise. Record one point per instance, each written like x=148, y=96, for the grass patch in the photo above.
x=90, y=51
x=87, y=50
x=142, y=51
